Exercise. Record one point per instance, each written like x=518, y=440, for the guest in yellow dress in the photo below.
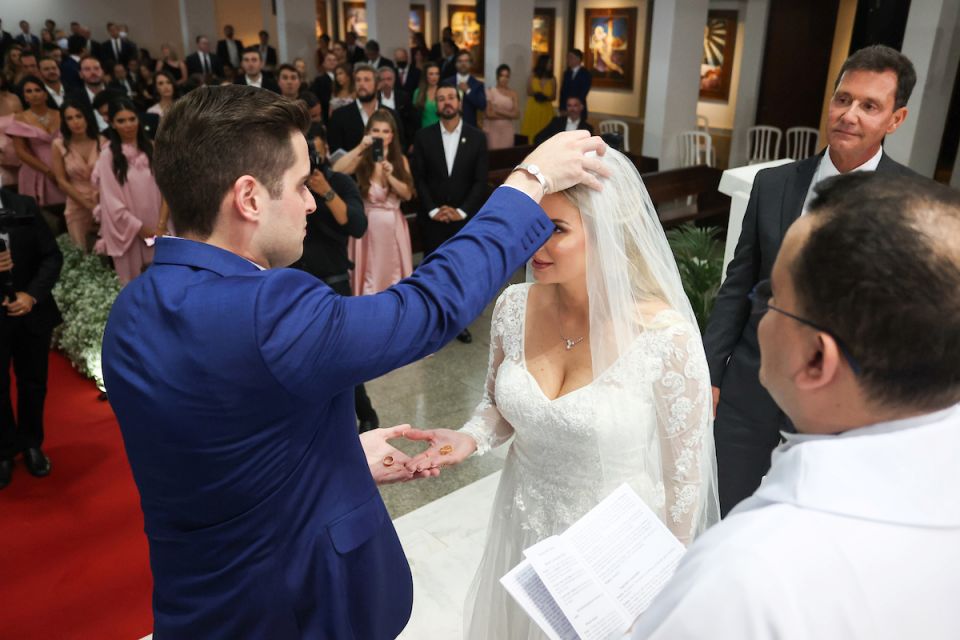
x=541, y=92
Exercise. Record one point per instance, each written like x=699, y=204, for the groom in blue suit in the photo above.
x=232, y=378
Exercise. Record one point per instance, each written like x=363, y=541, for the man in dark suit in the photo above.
x=448, y=62
x=576, y=80
x=70, y=67
x=373, y=57
x=348, y=122
x=253, y=74
x=5, y=41
x=30, y=264
x=571, y=122
x=322, y=85
x=26, y=39
x=267, y=53
x=355, y=53
x=229, y=50
x=232, y=378
x=437, y=54
x=91, y=73
x=115, y=49
x=408, y=75
x=472, y=90
x=399, y=101
x=869, y=102
x=450, y=170
x=203, y=62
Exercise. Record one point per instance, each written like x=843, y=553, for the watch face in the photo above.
x=534, y=169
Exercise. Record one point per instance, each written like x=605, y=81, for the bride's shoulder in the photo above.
x=513, y=295
x=657, y=315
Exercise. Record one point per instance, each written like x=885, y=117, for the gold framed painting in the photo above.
x=542, y=34
x=719, y=42
x=417, y=21
x=355, y=19
x=467, y=32
x=610, y=49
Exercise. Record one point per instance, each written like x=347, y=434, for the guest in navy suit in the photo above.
x=576, y=80
x=408, y=74
x=232, y=378
x=472, y=90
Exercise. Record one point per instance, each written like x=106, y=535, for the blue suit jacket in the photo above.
x=473, y=101
x=234, y=392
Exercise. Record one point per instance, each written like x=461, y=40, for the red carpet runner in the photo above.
x=73, y=556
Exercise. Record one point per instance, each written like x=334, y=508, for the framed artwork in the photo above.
x=611, y=46
x=541, y=36
x=467, y=32
x=719, y=40
x=417, y=20
x=355, y=19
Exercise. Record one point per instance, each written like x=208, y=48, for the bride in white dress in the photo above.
x=597, y=371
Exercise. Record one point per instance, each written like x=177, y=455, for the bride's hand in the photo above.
x=447, y=447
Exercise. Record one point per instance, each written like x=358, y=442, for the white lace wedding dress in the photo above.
x=642, y=421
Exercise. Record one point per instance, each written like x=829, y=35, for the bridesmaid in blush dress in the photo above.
x=503, y=109
x=33, y=133
x=383, y=256
x=74, y=157
x=130, y=203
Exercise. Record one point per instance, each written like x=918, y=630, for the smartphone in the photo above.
x=378, y=149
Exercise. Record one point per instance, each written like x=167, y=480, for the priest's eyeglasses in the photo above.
x=760, y=302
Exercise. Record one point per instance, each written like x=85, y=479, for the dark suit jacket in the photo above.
x=474, y=101
x=194, y=66
x=32, y=42
x=730, y=340
x=346, y=127
x=36, y=264
x=384, y=62
x=234, y=391
x=270, y=59
x=224, y=55
x=70, y=73
x=408, y=114
x=557, y=125
x=108, y=58
x=322, y=87
x=412, y=83
x=465, y=188
x=579, y=86
x=448, y=67
x=5, y=41
x=357, y=55
x=267, y=82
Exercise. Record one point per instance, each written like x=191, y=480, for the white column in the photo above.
x=748, y=91
x=673, y=86
x=932, y=42
x=387, y=24
x=197, y=17
x=296, y=35
x=507, y=41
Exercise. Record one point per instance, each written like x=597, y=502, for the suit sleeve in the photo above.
x=731, y=310
x=478, y=190
x=51, y=260
x=314, y=340
x=477, y=96
x=348, y=191
x=419, y=169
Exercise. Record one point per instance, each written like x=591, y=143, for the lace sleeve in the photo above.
x=682, y=398
x=487, y=426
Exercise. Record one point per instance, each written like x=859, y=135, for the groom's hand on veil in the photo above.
x=387, y=463
x=563, y=162
x=447, y=448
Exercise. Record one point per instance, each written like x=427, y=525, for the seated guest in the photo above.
x=383, y=256
x=503, y=109
x=450, y=173
x=342, y=91
x=289, y=81
x=855, y=530
x=122, y=83
x=348, y=123
x=472, y=92
x=572, y=121
x=373, y=58
x=253, y=74
x=322, y=85
x=28, y=315
x=74, y=157
x=408, y=74
x=130, y=204
x=425, y=97
x=203, y=62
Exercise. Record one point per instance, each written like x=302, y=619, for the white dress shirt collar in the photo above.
x=463, y=78
x=255, y=82
x=826, y=169
x=572, y=125
x=363, y=112
x=388, y=102
x=451, y=141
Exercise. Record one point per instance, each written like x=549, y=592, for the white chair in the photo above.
x=703, y=124
x=802, y=142
x=617, y=126
x=764, y=143
x=696, y=147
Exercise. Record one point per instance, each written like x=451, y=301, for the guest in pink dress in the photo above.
x=74, y=156
x=503, y=109
x=33, y=133
x=382, y=257
x=130, y=202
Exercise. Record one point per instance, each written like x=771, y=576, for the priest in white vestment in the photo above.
x=855, y=531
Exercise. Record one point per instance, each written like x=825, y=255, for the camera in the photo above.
x=378, y=149
x=316, y=162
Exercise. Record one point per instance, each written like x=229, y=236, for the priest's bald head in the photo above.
x=862, y=320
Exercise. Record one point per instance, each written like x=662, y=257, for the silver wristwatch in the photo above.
x=329, y=196
x=533, y=170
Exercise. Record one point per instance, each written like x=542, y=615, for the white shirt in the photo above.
x=255, y=82
x=388, y=102
x=573, y=71
x=451, y=140
x=852, y=536
x=117, y=48
x=463, y=78
x=363, y=113
x=205, y=62
x=572, y=125
x=232, y=53
x=57, y=96
x=826, y=169
x=101, y=123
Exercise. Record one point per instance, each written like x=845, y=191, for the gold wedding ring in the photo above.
x=388, y=461
x=446, y=449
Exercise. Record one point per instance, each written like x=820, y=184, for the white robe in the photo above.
x=849, y=536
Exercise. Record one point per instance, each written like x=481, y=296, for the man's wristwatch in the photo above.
x=329, y=196
x=534, y=171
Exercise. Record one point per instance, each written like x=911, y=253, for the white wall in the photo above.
x=245, y=16
x=619, y=102
x=718, y=112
